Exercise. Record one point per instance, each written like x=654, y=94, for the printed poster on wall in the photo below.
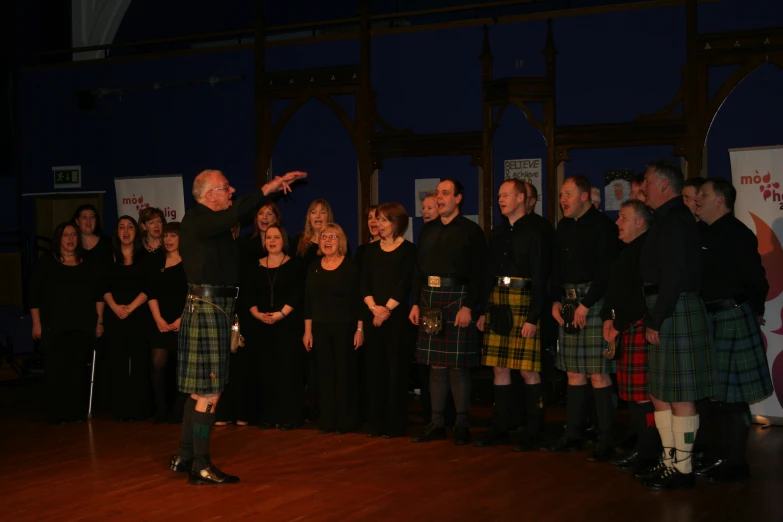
x=422, y=187
x=163, y=192
x=617, y=188
x=528, y=170
x=757, y=174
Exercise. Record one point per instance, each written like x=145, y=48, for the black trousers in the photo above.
x=67, y=382
x=337, y=374
x=129, y=361
x=387, y=359
x=279, y=359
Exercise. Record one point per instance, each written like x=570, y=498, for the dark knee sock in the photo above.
x=202, y=429
x=648, y=440
x=534, y=403
x=439, y=389
x=604, y=406
x=738, y=421
x=706, y=436
x=576, y=396
x=502, y=407
x=460, y=388
x=186, y=433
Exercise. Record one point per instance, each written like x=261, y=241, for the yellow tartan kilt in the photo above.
x=511, y=351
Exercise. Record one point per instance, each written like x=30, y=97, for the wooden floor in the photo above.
x=102, y=470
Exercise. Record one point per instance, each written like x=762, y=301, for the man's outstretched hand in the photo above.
x=283, y=182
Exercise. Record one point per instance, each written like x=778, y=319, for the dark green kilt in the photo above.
x=740, y=369
x=204, y=346
x=453, y=347
x=511, y=351
x=582, y=352
x=679, y=367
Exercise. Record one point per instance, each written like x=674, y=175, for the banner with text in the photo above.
x=528, y=170
x=757, y=174
x=163, y=192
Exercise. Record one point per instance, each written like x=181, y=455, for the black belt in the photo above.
x=649, y=289
x=213, y=291
x=576, y=291
x=441, y=282
x=721, y=305
x=512, y=282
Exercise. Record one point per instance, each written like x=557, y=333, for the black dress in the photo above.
x=128, y=343
x=66, y=297
x=388, y=275
x=279, y=353
x=169, y=286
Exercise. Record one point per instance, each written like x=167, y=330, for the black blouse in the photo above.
x=271, y=289
x=624, y=293
x=332, y=295
x=125, y=283
x=388, y=274
x=169, y=286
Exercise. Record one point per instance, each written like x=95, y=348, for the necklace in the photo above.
x=67, y=255
x=272, y=279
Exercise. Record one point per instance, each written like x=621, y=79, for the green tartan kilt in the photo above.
x=679, y=366
x=740, y=369
x=511, y=351
x=582, y=352
x=204, y=346
x=453, y=347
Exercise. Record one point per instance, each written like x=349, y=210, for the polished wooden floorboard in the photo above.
x=103, y=470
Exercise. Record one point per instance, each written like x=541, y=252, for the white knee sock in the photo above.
x=684, y=430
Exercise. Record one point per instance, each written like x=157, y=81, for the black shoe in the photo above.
x=461, y=436
x=179, y=464
x=526, y=443
x=265, y=426
x=324, y=431
x=338, y=432
x=288, y=427
x=652, y=471
x=493, y=438
x=728, y=472
x=590, y=433
x=671, y=479
x=601, y=453
x=430, y=433
x=210, y=476
x=374, y=434
x=640, y=463
x=388, y=436
x=564, y=443
x=628, y=442
x=705, y=467
x=624, y=458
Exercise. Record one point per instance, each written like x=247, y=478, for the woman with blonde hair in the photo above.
x=307, y=242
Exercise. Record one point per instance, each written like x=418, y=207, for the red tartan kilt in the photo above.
x=632, y=365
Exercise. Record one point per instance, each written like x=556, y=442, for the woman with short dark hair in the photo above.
x=151, y=223
x=386, y=282
x=67, y=317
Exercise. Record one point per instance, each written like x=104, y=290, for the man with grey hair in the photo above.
x=210, y=259
x=676, y=326
x=623, y=315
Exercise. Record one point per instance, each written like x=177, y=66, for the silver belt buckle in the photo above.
x=433, y=281
x=571, y=293
x=504, y=281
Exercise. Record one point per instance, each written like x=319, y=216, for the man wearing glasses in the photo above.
x=210, y=259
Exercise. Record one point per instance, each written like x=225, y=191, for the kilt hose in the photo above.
x=740, y=370
x=679, y=367
x=632, y=364
x=582, y=352
x=511, y=351
x=204, y=345
x=453, y=347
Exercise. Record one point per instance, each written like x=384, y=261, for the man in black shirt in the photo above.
x=209, y=257
x=623, y=315
x=447, y=285
x=514, y=288
x=586, y=243
x=679, y=367
x=734, y=289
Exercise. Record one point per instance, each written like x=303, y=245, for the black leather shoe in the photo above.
x=652, y=471
x=461, y=436
x=493, y=438
x=601, y=453
x=373, y=435
x=388, y=435
x=288, y=427
x=266, y=426
x=324, y=431
x=210, y=476
x=526, y=443
x=563, y=444
x=624, y=458
x=430, y=432
x=338, y=432
x=706, y=466
x=590, y=433
x=728, y=472
x=179, y=464
x=671, y=479
x=640, y=463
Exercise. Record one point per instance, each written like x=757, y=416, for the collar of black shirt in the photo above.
x=669, y=206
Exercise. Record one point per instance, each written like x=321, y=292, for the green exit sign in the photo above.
x=67, y=177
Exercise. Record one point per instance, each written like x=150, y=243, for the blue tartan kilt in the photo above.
x=740, y=370
x=582, y=352
x=679, y=366
x=453, y=347
x=204, y=346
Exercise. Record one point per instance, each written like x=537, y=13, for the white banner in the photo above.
x=163, y=192
x=528, y=170
x=757, y=174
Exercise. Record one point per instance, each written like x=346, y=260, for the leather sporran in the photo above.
x=568, y=311
x=432, y=320
x=501, y=319
x=237, y=339
x=611, y=350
